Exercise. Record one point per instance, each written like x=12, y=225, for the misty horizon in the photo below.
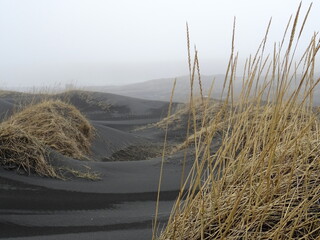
x=101, y=74
x=47, y=43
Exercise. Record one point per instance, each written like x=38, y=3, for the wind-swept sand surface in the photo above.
x=119, y=206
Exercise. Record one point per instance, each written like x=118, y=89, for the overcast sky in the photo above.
x=104, y=42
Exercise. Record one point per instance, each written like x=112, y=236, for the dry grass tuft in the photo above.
x=58, y=125
x=87, y=174
x=178, y=119
x=21, y=151
x=263, y=182
x=26, y=136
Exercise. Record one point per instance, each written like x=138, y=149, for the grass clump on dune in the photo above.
x=179, y=119
x=58, y=125
x=25, y=138
x=263, y=182
x=24, y=152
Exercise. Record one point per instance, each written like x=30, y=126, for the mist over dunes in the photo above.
x=106, y=134
x=160, y=89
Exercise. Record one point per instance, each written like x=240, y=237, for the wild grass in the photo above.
x=263, y=182
x=58, y=125
x=178, y=119
x=27, y=136
x=87, y=174
x=23, y=152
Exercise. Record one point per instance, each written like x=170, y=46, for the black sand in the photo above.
x=119, y=206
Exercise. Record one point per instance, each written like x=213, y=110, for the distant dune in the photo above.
x=160, y=89
x=124, y=161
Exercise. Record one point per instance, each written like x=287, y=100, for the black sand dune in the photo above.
x=160, y=89
x=119, y=206
x=96, y=105
x=6, y=108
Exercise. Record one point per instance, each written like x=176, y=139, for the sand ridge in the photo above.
x=121, y=203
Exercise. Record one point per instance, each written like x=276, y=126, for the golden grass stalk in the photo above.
x=162, y=164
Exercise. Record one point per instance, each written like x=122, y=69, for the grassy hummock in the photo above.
x=27, y=136
x=263, y=182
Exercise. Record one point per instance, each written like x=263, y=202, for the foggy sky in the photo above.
x=104, y=42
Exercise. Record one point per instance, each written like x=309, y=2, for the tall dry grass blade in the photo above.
x=231, y=57
x=154, y=232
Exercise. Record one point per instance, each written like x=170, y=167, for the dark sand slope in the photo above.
x=109, y=140
x=119, y=206
x=6, y=109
